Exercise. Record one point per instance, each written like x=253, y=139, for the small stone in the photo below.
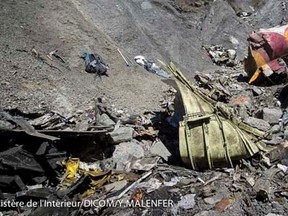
x=212, y=200
x=159, y=149
x=187, y=202
x=151, y=185
x=231, y=53
x=192, y=190
x=174, y=190
x=282, y=167
x=105, y=120
x=272, y=115
x=256, y=91
x=197, y=4
x=284, y=194
x=275, y=129
x=277, y=208
x=286, y=134
x=5, y=125
x=274, y=141
x=257, y=123
x=116, y=186
x=122, y=134
x=79, y=111
x=5, y=83
x=146, y=5
x=187, y=181
x=203, y=213
x=272, y=214
x=242, y=111
x=34, y=187
x=124, y=150
x=144, y=164
x=120, y=112
x=90, y=166
x=236, y=87
x=250, y=180
x=225, y=203
x=173, y=90
x=234, y=40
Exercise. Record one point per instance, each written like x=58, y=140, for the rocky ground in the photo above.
x=121, y=120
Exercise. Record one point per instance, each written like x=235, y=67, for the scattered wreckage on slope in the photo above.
x=46, y=158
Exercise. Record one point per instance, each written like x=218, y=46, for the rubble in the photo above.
x=121, y=134
x=222, y=56
x=123, y=151
x=233, y=134
x=223, y=204
x=131, y=160
x=186, y=202
x=104, y=120
x=159, y=149
x=257, y=123
x=272, y=116
x=212, y=200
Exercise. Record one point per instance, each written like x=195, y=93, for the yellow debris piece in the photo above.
x=72, y=165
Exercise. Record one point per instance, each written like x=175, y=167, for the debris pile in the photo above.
x=222, y=56
x=49, y=158
x=105, y=161
x=102, y=155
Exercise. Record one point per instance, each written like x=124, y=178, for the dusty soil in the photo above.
x=168, y=30
x=33, y=82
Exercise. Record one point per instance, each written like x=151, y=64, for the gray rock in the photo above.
x=203, y=213
x=146, y=5
x=122, y=134
x=274, y=141
x=174, y=190
x=257, y=123
x=144, y=164
x=105, y=120
x=243, y=111
x=286, y=134
x=151, y=185
x=212, y=200
x=272, y=115
x=256, y=91
x=231, y=53
x=107, y=164
x=80, y=112
x=116, y=186
x=124, y=150
x=187, y=181
x=275, y=129
x=160, y=149
x=187, y=202
x=235, y=87
x=272, y=214
x=5, y=125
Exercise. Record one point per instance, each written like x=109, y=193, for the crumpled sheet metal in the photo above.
x=97, y=178
x=71, y=169
x=210, y=135
x=265, y=48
